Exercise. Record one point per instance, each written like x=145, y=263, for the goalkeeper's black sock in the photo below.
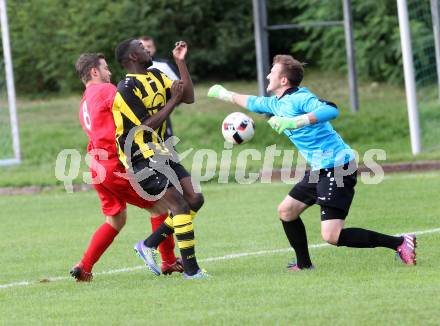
x=184, y=230
x=361, y=238
x=296, y=234
x=161, y=233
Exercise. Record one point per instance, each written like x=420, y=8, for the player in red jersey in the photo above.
x=114, y=191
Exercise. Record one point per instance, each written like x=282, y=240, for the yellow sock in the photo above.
x=184, y=230
x=169, y=222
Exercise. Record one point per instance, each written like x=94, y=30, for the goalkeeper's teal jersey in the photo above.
x=319, y=143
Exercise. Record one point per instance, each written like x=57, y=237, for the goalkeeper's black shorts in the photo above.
x=333, y=192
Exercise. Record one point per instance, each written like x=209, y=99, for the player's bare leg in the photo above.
x=194, y=198
x=331, y=229
x=117, y=221
x=290, y=209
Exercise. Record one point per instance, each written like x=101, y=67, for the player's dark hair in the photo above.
x=85, y=63
x=122, y=51
x=292, y=69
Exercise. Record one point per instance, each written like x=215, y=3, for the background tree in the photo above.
x=48, y=35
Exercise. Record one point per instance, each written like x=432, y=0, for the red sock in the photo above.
x=102, y=238
x=166, y=248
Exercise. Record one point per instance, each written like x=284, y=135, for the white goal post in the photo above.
x=16, y=159
x=410, y=81
x=409, y=67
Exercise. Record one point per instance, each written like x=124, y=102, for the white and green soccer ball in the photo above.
x=238, y=128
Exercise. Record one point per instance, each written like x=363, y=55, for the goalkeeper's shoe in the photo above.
x=293, y=267
x=177, y=266
x=79, y=273
x=201, y=273
x=149, y=256
x=407, y=250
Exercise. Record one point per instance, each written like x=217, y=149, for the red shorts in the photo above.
x=115, y=191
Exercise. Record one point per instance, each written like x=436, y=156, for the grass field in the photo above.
x=43, y=235
x=49, y=126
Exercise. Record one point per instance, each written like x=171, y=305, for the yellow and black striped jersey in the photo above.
x=140, y=96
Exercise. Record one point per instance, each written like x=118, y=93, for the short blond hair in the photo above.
x=292, y=69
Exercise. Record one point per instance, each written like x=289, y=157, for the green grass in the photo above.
x=43, y=235
x=48, y=126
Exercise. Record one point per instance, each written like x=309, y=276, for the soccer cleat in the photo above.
x=293, y=267
x=149, y=256
x=177, y=266
x=407, y=250
x=78, y=272
x=201, y=273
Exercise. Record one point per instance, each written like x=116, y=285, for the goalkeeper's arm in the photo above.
x=322, y=114
x=218, y=91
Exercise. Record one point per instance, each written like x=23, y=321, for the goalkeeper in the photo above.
x=304, y=118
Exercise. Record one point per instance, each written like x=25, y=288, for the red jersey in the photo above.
x=95, y=115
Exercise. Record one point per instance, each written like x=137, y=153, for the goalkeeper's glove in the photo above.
x=279, y=124
x=218, y=91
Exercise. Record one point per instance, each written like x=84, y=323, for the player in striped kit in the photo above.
x=114, y=191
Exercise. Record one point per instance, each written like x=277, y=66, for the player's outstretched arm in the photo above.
x=179, y=54
x=221, y=93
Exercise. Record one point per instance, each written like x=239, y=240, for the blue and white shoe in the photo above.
x=149, y=256
x=201, y=273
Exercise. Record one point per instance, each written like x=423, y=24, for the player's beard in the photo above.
x=148, y=64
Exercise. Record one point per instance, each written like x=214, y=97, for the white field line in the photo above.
x=210, y=259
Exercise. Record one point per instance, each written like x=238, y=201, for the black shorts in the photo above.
x=160, y=175
x=321, y=187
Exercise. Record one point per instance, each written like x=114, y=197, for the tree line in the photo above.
x=48, y=35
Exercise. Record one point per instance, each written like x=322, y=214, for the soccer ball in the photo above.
x=238, y=128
